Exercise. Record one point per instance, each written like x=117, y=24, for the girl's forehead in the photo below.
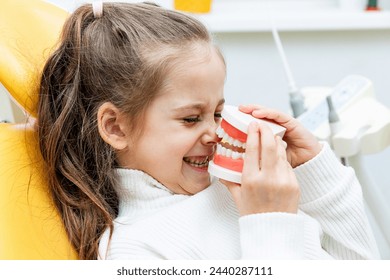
x=196, y=53
x=198, y=73
x=199, y=61
x=193, y=77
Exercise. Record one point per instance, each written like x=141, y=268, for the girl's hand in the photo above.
x=268, y=181
x=301, y=143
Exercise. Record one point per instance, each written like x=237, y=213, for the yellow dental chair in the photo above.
x=30, y=227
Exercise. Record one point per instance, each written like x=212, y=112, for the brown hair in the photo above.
x=122, y=58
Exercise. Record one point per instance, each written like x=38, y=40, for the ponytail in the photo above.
x=80, y=165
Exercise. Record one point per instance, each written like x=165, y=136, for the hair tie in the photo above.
x=97, y=8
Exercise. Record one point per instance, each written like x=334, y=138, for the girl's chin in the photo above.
x=196, y=178
x=198, y=185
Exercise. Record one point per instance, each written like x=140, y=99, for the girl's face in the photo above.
x=178, y=138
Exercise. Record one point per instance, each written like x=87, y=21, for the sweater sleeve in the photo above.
x=272, y=236
x=331, y=194
x=281, y=236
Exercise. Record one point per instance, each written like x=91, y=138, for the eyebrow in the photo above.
x=196, y=106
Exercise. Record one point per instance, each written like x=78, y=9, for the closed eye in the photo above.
x=192, y=119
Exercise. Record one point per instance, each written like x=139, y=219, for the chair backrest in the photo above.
x=30, y=226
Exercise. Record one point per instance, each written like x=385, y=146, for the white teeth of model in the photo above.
x=223, y=151
x=223, y=133
x=244, y=145
x=219, y=132
x=225, y=137
x=230, y=140
x=219, y=148
x=235, y=155
x=229, y=153
x=237, y=143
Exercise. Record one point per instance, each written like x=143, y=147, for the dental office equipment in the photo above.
x=296, y=99
x=334, y=123
x=352, y=121
x=333, y=117
x=363, y=128
x=228, y=159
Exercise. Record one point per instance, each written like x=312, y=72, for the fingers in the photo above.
x=284, y=143
x=262, y=112
x=263, y=149
x=248, y=108
x=269, y=186
x=281, y=148
x=252, y=151
x=269, y=148
x=302, y=144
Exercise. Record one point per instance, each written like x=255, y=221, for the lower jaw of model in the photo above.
x=228, y=160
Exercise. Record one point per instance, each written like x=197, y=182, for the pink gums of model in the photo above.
x=228, y=159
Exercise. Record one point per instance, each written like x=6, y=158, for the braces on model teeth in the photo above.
x=228, y=159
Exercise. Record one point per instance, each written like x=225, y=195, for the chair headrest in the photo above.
x=29, y=30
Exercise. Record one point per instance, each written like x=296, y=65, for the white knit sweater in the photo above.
x=154, y=223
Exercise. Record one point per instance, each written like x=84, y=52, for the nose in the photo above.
x=210, y=136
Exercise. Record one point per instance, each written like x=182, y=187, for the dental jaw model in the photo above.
x=229, y=157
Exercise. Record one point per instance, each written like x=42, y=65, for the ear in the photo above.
x=112, y=126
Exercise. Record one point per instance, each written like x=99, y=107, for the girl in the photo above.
x=129, y=104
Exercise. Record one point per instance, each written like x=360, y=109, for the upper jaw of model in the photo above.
x=229, y=157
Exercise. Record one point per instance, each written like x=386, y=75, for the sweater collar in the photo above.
x=138, y=190
x=141, y=195
x=130, y=178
